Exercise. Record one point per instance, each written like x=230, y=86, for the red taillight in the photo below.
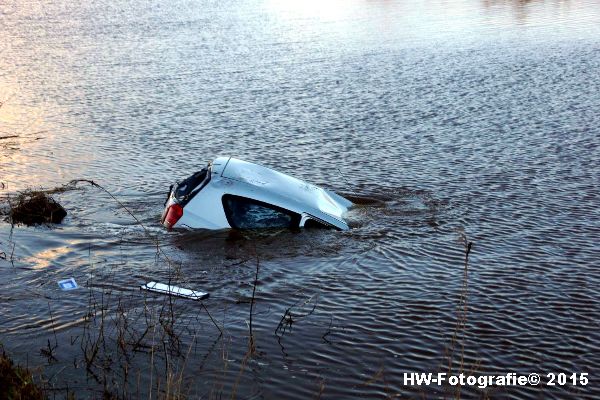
x=174, y=212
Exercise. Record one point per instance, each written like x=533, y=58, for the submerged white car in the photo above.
x=231, y=193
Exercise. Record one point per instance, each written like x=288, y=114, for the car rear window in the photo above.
x=245, y=213
x=188, y=188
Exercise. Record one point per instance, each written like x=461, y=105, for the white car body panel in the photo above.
x=230, y=176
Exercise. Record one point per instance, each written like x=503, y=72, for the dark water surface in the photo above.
x=448, y=120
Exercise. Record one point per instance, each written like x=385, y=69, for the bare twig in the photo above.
x=461, y=317
x=49, y=350
x=211, y=318
x=287, y=319
x=328, y=331
x=12, y=253
x=252, y=344
x=74, y=182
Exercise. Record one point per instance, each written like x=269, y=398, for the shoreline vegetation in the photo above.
x=16, y=382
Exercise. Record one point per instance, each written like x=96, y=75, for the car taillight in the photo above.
x=174, y=212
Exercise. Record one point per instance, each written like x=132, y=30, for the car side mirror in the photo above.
x=303, y=218
x=308, y=221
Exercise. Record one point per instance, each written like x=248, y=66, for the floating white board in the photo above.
x=174, y=291
x=68, y=284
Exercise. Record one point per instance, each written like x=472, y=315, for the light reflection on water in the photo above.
x=442, y=119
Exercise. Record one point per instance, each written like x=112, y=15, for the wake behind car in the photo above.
x=231, y=193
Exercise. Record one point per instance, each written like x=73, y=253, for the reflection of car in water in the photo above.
x=231, y=193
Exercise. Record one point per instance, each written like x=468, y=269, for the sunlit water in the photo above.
x=476, y=120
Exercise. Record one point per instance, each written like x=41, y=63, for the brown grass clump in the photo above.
x=16, y=383
x=36, y=207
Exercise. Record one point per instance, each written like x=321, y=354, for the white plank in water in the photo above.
x=174, y=290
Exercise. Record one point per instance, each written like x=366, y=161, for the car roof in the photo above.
x=282, y=189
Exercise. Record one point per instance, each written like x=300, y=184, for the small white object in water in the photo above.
x=174, y=290
x=68, y=284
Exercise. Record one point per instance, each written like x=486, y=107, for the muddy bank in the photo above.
x=17, y=382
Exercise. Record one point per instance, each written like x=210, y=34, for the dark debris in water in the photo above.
x=35, y=207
